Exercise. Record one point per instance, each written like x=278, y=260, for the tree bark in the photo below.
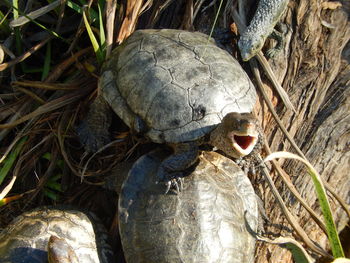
x=314, y=70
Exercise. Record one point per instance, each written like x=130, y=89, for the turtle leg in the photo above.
x=93, y=131
x=171, y=169
x=111, y=94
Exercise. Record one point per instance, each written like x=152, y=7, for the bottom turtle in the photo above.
x=206, y=222
x=69, y=235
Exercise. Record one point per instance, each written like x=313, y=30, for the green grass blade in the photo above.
x=46, y=156
x=17, y=32
x=17, y=12
x=102, y=30
x=47, y=62
x=93, y=40
x=332, y=233
x=77, y=8
x=299, y=253
x=55, y=178
x=5, y=29
x=11, y=158
x=53, y=185
x=333, y=237
x=15, y=9
x=52, y=195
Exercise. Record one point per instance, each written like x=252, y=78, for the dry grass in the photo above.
x=49, y=69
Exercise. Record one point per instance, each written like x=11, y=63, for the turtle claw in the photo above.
x=176, y=184
x=172, y=181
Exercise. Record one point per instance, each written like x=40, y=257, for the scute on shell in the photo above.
x=205, y=222
x=179, y=83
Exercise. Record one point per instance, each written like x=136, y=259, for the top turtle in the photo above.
x=175, y=87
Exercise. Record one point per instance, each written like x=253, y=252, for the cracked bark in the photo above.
x=314, y=69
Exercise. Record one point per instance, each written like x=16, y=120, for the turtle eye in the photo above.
x=244, y=141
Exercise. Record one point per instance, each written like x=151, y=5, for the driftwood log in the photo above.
x=314, y=69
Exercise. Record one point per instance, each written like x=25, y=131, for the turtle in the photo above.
x=175, y=87
x=212, y=220
x=55, y=235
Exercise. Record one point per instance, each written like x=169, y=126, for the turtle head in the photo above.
x=59, y=251
x=236, y=135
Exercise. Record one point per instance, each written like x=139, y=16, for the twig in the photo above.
x=25, y=55
x=291, y=219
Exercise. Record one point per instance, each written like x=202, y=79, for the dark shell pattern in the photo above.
x=179, y=83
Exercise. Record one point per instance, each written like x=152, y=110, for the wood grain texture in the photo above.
x=314, y=70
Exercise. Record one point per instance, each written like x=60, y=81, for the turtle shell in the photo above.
x=180, y=84
x=25, y=239
x=205, y=222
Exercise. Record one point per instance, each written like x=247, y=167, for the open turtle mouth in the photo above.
x=243, y=144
